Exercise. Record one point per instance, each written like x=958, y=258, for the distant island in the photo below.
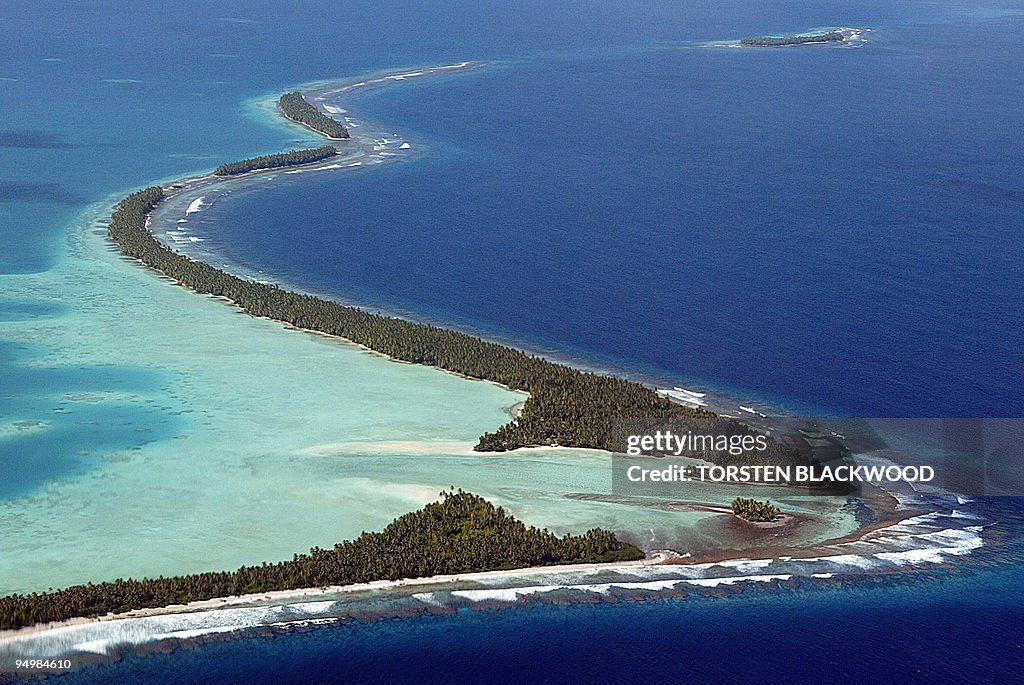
x=754, y=511
x=281, y=159
x=461, y=533
x=766, y=41
x=295, y=107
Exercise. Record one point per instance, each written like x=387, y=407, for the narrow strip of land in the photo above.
x=460, y=533
x=276, y=161
x=566, y=407
x=295, y=107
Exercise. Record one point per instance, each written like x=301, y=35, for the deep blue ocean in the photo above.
x=830, y=230
x=835, y=231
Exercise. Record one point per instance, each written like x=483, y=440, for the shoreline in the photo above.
x=191, y=184
x=679, y=569
x=357, y=152
x=661, y=576
x=357, y=149
x=261, y=598
x=667, y=558
x=361, y=150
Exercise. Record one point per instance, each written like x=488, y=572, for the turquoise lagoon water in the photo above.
x=194, y=437
x=146, y=430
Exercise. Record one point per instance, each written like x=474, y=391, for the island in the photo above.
x=753, y=511
x=460, y=533
x=766, y=41
x=566, y=407
x=281, y=159
x=295, y=107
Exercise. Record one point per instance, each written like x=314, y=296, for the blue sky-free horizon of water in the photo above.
x=783, y=226
x=836, y=229
x=778, y=224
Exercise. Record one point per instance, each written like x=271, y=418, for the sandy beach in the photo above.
x=308, y=594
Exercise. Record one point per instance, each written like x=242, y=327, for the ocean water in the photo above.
x=837, y=636
x=788, y=225
x=697, y=193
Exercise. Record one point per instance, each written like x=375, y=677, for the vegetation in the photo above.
x=566, y=407
x=830, y=37
x=460, y=533
x=754, y=511
x=295, y=107
x=292, y=158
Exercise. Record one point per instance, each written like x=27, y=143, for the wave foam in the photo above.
x=747, y=565
x=195, y=205
x=733, y=580
x=504, y=594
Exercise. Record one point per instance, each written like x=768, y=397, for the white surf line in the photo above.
x=195, y=205
x=401, y=76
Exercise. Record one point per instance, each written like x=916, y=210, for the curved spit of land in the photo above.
x=460, y=533
x=566, y=407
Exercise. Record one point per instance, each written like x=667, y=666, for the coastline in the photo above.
x=195, y=182
x=662, y=573
x=358, y=149
x=363, y=149
x=307, y=594
x=686, y=568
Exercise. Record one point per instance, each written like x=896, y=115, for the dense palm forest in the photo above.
x=566, y=407
x=461, y=533
x=281, y=159
x=752, y=510
x=295, y=107
x=764, y=41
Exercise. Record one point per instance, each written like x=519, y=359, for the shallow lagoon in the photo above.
x=260, y=443
x=235, y=441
